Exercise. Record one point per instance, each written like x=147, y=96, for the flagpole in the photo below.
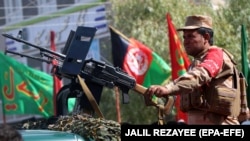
x=117, y=103
x=119, y=33
x=4, y=118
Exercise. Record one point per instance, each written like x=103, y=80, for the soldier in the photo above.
x=208, y=90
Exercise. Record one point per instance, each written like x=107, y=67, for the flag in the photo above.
x=24, y=90
x=138, y=60
x=179, y=62
x=57, y=83
x=244, y=59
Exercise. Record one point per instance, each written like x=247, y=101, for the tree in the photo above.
x=237, y=13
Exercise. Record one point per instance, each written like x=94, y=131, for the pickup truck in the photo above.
x=50, y=135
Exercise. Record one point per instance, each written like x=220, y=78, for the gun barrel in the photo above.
x=23, y=55
x=35, y=46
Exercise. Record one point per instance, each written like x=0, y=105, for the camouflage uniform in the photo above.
x=198, y=85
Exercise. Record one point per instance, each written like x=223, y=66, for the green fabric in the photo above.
x=158, y=72
x=71, y=104
x=244, y=59
x=25, y=90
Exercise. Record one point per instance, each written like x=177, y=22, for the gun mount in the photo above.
x=72, y=62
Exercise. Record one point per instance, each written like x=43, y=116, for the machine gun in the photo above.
x=72, y=62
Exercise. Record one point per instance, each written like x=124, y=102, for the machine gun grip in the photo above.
x=138, y=88
x=125, y=96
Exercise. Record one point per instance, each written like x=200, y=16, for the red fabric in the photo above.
x=57, y=82
x=213, y=61
x=179, y=62
x=137, y=60
x=130, y=55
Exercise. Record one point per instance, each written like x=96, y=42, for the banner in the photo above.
x=244, y=59
x=25, y=90
x=179, y=62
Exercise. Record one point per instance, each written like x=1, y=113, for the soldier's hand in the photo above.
x=157, y=90
x=154, y=91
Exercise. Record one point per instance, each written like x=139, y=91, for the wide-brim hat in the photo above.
x=197, y=21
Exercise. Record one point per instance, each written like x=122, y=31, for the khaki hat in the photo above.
x=197, y=21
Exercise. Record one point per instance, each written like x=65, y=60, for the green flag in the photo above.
x=25, y=90
x=244, y=59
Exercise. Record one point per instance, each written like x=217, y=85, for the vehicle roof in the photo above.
x=49, y=135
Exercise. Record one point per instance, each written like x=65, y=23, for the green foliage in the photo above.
x=237, y=13
x=145, y=20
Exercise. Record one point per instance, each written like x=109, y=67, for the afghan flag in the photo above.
x=179, y=62
x=25, y=90
x=244, y=59
x=138, y=60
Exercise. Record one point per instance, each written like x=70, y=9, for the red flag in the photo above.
x=57, y=82
x=179, y=62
